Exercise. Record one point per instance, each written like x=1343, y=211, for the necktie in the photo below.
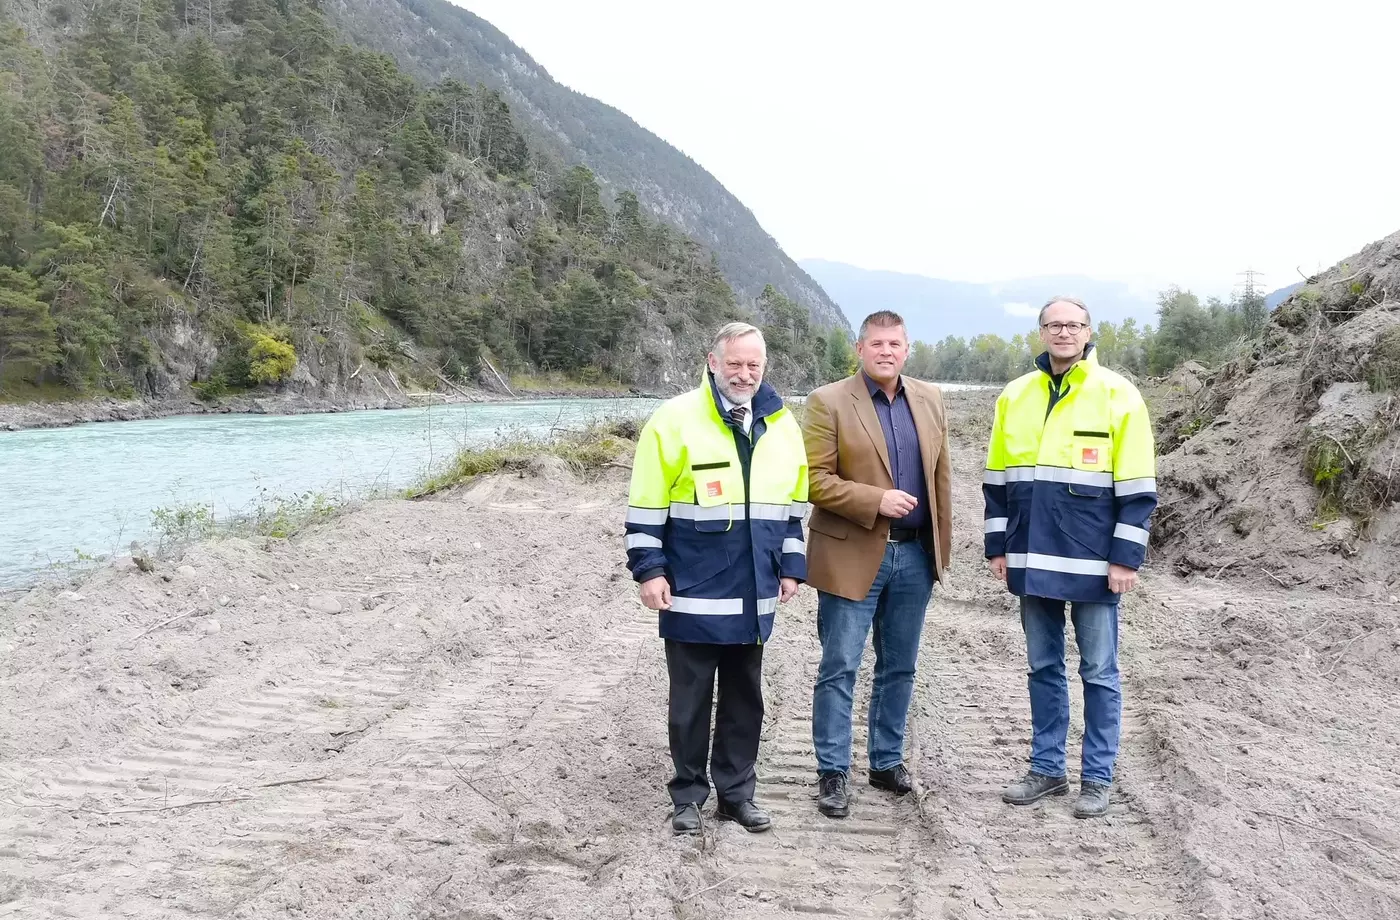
x=738, y=414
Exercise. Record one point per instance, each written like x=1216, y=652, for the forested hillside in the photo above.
x=435, y=39
x=227, y=195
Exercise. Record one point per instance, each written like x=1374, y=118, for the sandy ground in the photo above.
x=455, y=709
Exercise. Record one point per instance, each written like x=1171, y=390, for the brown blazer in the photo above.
x=849, y=472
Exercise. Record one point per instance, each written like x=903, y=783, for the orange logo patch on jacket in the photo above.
x=714, y=489
x=1090, y=456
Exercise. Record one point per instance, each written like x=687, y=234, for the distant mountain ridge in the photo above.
x=435, y=39
x=935, y=308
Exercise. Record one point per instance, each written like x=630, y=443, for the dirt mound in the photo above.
x=1283, y=464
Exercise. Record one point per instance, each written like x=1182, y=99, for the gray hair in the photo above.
x=1074, y=300
x=731, y=331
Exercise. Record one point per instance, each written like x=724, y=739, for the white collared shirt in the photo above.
x=748, y=416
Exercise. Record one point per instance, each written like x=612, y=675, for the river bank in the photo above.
x=64, y=414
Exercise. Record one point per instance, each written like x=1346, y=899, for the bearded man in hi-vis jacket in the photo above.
x=714, y=538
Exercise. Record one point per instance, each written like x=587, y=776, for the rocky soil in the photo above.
x=1284, y=465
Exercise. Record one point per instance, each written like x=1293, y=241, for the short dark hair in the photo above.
x=1061, y=299
x=883, y=319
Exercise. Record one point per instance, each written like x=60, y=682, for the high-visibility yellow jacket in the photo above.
x=1070, y=481
x=719, y=514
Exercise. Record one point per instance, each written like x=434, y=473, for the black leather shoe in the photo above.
x=686, y=820
x=896, y=779
x=833, y=798
x=748, y=815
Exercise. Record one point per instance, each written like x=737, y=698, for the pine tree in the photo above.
x=27, y=331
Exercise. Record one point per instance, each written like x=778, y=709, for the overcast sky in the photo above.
x=981, y=141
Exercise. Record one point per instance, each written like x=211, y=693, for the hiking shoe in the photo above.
x=1093, y=800
x=833, y=798
x=1033, y=787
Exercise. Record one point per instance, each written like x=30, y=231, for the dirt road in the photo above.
x=456, y=709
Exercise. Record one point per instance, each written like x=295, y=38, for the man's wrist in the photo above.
x=649, y=574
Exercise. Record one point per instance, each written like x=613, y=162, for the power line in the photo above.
x=1253, y=283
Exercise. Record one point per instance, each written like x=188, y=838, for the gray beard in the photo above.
x=744, y=401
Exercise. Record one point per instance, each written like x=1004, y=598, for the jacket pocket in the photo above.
x=699, y=566
x=832, y=525
x=717, y=482
x=1091, y=451
x=1086, y=522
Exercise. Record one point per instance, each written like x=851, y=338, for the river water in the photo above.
x=70, y=494
x=89, y=490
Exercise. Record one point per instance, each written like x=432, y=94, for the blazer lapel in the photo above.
x=924, y=427
x=865, y=409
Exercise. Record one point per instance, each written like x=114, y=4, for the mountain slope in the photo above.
x=434, y=39
x=1275, y=298
x=271, y=209
x=935, y=308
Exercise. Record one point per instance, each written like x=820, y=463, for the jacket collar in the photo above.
x=1087, y=361
x=872, y=387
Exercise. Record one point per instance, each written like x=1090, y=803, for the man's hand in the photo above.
x=787, y=589
x=998, y=564
x=1121, y=579
x=897, y=504
x=656, y=593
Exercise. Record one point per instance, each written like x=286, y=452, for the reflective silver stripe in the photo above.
x=1077, y=477
x=1020, y=474
x=641, y=541
x=994, y=525
x=689, y=512
x=707, y=606
x=1134, y=486
x=1129, y=532
x=794, y=545
x=994, y=477
x=763, y=511
x=799, y=509
x=767, y=605
x=637, y=515
x=1057, y=564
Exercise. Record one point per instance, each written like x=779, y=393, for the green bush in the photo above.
x=270, y=360
x=584, y=451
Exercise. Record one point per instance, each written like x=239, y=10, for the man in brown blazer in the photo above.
x=879, y=536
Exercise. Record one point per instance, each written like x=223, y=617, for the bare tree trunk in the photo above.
x=267, y=302
x=197, y=250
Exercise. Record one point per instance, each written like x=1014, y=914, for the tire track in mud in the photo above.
x=860, y=866
x=972, y=721
x=404, y=741
x=121, y=800
x=472, y=729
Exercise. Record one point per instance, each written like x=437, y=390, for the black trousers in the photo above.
x=738, y=719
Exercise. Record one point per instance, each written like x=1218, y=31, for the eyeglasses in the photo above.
x=1071, y=328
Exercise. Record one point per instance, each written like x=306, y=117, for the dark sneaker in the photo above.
x=1093, y=800
x=686, y=820
x=833, y=798
x=1033, y=787
x=746, y=814
x=897, y=779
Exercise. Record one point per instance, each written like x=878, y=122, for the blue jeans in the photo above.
x=1096, y=632
x=895, y=607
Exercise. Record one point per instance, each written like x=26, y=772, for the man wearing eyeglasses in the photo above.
x=1069, y=487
